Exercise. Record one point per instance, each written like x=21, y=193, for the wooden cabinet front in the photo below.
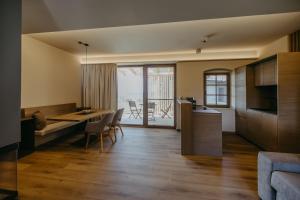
x=268, y=138
x=266, y=73
x=262, y=129
x=240, y=90
x=259, y=75
x=254, y=120
x=241, y=125
x=269, y=72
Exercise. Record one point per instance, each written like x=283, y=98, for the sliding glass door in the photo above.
x=147, y=93
x=160, y=81
x=130, y=94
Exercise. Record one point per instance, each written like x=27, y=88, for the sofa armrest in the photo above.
x=269, y=162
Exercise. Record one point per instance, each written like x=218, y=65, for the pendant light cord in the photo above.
x=86, y=63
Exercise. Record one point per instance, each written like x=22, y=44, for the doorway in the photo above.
x=147, y=93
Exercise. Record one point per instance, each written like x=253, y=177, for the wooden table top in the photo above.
x=79, y=116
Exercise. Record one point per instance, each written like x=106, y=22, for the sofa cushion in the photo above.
x=50, y=128
x=40, y=121
x=268, y=162
x=286, y=184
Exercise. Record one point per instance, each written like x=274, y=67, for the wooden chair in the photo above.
x=100, y=129
x=166, y=112
x=116, y=122
x=134, y=111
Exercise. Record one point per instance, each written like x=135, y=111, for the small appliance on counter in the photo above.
x=192, y=100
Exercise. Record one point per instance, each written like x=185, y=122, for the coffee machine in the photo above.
x=192, y=100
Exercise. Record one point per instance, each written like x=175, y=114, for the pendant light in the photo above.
x=86, y=45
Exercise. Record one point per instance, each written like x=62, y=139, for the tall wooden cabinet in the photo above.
x=241, y=109
x=266, y=72
x=289, y=102
x=268, y=102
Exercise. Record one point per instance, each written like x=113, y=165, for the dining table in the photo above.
x=80, y=116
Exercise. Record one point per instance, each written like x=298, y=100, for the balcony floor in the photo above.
x=157, y=121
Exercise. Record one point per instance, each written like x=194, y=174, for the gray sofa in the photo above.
x=278, y=176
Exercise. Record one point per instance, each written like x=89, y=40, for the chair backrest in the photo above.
x=107, y=119
x=132, y=104
x=151, y=105
x=100, y=125
x=118, y=116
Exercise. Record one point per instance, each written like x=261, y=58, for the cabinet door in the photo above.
x=269, y=72
x=240, y=90
x=241, y=125
x=258, y=75
x=268, y=137
x=254, y=125
x=240, y=101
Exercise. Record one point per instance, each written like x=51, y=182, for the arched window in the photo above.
x=217, y=88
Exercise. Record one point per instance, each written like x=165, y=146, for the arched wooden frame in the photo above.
x=218, y=71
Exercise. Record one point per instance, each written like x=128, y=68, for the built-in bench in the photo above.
x=54, y=129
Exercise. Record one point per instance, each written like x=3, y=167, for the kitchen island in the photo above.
x=201, y=129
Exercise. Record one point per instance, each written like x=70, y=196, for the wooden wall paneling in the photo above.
x=186, y=127
x=207, y=134
x=289, y=102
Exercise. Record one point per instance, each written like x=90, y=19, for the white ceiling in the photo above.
x=62, y=15
x=227, y=34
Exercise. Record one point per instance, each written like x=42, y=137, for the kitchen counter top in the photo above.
x=274, y=112
x=206, y=111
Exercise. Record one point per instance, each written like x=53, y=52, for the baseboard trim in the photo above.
x=229, y=132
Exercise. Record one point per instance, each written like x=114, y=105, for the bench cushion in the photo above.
x=286, y=184
x=40, y=121
x=50, y=128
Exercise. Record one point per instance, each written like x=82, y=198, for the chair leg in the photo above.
x=136, y=115
x=139, y=115
x=111, y=139
x=87, y=140
x=101, y=142
x=115, y=133
x=131, y=114
x=121, y=130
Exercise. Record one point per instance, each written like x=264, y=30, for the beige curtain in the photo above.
x=99, y=86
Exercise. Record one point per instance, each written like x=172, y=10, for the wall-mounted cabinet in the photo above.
x=266, y=114
x=266, y=72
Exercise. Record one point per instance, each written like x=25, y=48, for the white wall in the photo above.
x=190, y=83
x=49, y=75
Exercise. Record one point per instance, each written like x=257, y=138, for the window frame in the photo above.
x=228, y=84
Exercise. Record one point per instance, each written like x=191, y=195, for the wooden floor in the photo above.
x=144, y=164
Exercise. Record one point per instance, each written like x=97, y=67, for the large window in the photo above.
x=217, y=89
x=147, y=94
